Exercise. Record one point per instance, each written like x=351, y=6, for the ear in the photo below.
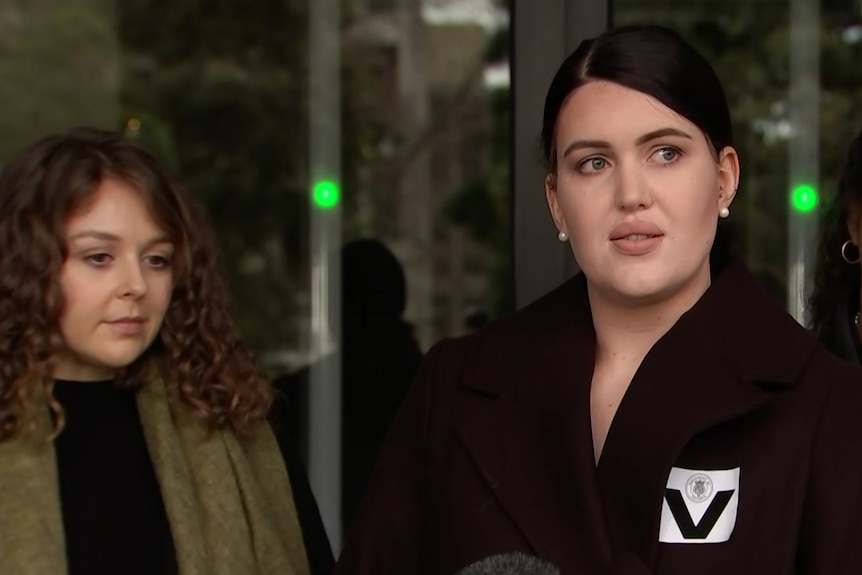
x=728, y=176
x=853, y=223
x=553, y=204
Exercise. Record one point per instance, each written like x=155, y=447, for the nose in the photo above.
x=632, y=191
x=133, y=283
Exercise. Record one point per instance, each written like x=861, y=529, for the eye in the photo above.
x=668, y=154
x=100, y=259
x=158, y=262
x=592, y=165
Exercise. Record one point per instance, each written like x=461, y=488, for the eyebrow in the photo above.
x=648, y=137
x=113, y=238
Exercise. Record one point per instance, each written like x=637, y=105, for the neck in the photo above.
x=626, y=331
x=78, y=371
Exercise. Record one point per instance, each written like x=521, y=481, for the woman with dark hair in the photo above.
x=657, y=413
x=133, y=434
x=834, y=311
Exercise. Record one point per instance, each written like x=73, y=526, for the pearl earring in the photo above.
x=724, y=213
x=562, y=236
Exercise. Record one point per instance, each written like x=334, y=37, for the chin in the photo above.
x=639, y=287
x=120, y=361
x=642, y=281
x=126, y=362
x=644, y=295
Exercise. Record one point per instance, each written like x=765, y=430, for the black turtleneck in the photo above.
x=113, y=513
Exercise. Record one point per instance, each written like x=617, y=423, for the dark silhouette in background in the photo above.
x=475, y=318
x=379, y=359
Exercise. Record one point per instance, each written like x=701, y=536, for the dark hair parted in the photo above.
x=206, y=363
x=836, y=282
x=655, y=61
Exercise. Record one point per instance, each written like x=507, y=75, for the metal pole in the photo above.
x=804, y=148
x=324, y=47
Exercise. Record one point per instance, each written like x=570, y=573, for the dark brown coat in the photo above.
x=492, y=451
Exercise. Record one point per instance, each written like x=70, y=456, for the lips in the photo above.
x=635, y=238
x=635, y=229
x=127, y=325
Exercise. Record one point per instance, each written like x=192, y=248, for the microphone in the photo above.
x=515, y=563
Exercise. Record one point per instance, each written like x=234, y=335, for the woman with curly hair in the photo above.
x=133, y=433
x=834, y=305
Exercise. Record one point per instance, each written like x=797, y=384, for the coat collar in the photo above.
x=724, y=358
x=731, y=323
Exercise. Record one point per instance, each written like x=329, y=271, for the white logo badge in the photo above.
x=699, y=506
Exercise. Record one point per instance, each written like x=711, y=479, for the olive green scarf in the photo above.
x=229, y=503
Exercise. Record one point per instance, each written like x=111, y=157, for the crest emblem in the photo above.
x=698, y=488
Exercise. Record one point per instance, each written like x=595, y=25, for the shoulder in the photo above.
x=825, y=398
x=460, y=375
x=529, y=327
x=832, y=377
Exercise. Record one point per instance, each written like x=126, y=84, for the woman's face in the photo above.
x=116, y=283
x=638, y=190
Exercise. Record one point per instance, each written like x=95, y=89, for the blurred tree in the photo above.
x=219, y=90
x=45, y=86
x=483, y=206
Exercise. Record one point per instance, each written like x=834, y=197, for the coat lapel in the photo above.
x=661, y=412
x=711, y=367
x=533, y=444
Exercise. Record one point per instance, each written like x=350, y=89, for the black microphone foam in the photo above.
x=510, y=564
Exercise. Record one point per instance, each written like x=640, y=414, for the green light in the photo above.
x=325, y=193
x=803, y=198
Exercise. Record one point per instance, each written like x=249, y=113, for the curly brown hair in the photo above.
x=206, y=362
x=835, y=281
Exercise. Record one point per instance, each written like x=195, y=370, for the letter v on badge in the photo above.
x=700, y=506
